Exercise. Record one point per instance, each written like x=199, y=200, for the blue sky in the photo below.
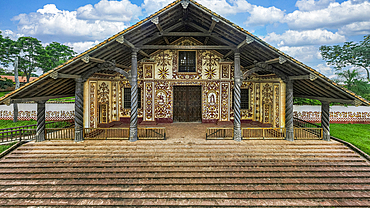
x=297, y=27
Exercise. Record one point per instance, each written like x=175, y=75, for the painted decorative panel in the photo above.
x=163, y=66
x=267, y=102
x=123, y=112
x=92, y=105
x=258, y=102
x=163, y=100
x=225, y=71
x=277, y=105
x=148, y=71
x=225, y=92
x=103, y=96
x=148, y=102
x=210, y=65
x=114, y=101
x=211, y=93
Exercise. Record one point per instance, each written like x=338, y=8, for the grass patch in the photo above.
x=9, y=123
x=356, y=134
x=4, y=93
x=5, y=147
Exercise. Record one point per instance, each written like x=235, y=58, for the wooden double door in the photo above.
x=187, y=103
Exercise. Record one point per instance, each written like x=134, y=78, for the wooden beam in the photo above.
x=121, y=39
x=88, y=58
x=56, y=75
x=228, y=54
x=188, y=34
x=213, y=24
x=307, y=76
x=40, y=98
x=325, y=99
x=155, y=21
x=211, y=35
x=177, y=47
x=279, y=60
x=248, y=40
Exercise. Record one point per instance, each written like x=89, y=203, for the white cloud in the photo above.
x=309, y=5
x=221, y=7
x=356, y=28
x=106, y=10
x=262, y=15
x=326, y=70
x=12, y=35
x=307, y=37
x=334, y=16
x=80, y=47
x=56, y=25
x=302, y=53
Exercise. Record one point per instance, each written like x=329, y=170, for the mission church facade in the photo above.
x=184, y=63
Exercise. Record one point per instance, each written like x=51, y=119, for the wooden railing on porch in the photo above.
x=219, y=133
x=157, y=133
x=263, y=133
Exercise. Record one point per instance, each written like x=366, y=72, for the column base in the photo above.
x=238, y=135
x=326, y=137
x=133, y=134
x=40, y=137
x=79, y=136
x=289, y=136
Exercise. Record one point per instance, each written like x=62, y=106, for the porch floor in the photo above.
x=184, y=171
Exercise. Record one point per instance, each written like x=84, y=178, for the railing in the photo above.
x=219, y=133
x=59, y=134
x=301, y=123
x=263, y=133
x=124, y=133
x=26, y=132
x=308, y=133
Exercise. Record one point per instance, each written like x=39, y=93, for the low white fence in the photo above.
x=28, y=111
x=65, y=111
x=338, y=114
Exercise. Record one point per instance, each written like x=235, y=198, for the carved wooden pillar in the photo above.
x=237, y=84
x=40, y=130
x=325, y=120
x=289, y=111
x=134, y=97
x=79, y=110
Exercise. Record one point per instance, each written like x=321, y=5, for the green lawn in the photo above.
x=356, y=134
x=5, y=147
x=4, y=93
x=9, y=123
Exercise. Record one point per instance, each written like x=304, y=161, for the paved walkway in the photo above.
x=184, y=171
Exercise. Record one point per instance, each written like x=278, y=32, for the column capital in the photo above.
x=135, y=50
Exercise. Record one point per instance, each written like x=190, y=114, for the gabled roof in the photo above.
x=185, y=18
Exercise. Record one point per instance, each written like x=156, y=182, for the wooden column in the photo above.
x=134, y=96
x=40, y=130
x=289, y=111
x=79, y=110
x=237, y=95
x=325, y=120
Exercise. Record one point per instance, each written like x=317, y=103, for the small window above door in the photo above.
x=187, y=62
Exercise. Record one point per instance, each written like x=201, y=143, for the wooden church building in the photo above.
x=184, y=63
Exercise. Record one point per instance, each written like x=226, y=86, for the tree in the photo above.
x=8, y=50
x=30, y=48
x=55, y=54
x=354, y=82
x=350, y=54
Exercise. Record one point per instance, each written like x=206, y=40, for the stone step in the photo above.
x=191, y=160
x=184, y=155
x=364, y=195
x=174, y=181
x=187, y=202
x=171, y=151
x=170, y=165
x=185, y=176
x=197, y=170
x=186, y=187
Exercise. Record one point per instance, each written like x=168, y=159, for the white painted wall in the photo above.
x=338, y=114
x=28, y=111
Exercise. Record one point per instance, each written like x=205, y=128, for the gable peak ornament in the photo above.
x=185, y=4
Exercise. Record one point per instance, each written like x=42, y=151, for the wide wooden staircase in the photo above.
x=184, y=173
